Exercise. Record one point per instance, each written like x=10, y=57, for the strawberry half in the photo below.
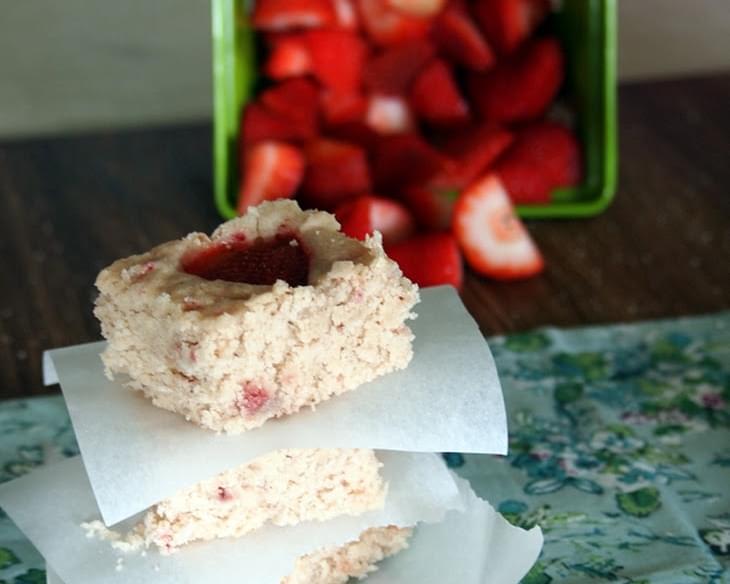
x=288, y=57
x=337, y=58
x=335, y=172
x=544, y=157
x=435, y=97
x=522, y=87
x=343, y=108
x=368, y=213
x=459, y=38
x=393, y=70
x=508, y=23
x=259, y=124
x=494, y=241
x=387, y=26
x=271, y=170
x=388, y=115
x=356, y=132
x=429, y=260
x=278, y=15
x=404, y=159
x=472, y=150
x=260, y=262
x=297, y=102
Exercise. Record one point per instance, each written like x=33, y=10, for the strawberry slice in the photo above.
x=260, y=262
x=338, y=57
x=271, y=170
x=432, y=259
x=424, y=8
x=393, y=70
x=358, y=133
x=435, y=97
x=368, y=213
x=335, y=172
x=297, y=102
x=278, y=15
x=522, y=87
x=508, y=23
x=431, y=206
x=473, y=150
x=388, y=115
x=345, y=14
x=288, y=57
x=544, y=157
x=494, y=241
x=404, y=159
x=259, y=124
x=460, y=39
x=387, y=26
x=343, y=108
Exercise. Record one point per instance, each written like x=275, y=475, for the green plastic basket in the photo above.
x=587, y=29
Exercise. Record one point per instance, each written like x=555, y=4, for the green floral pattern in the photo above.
x=619, y=449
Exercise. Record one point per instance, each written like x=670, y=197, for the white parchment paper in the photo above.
x=476, y=546
x=49, y=505
x=448, y=400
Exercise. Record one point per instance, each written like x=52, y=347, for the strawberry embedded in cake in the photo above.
x=276, y=311
x=261, y=262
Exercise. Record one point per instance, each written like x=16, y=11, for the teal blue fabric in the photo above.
x=619, y=449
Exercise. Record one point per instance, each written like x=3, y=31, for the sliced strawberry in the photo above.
x=472, y=150
x=338, y=57
x=522, y=87
x=431, y=206
x=393, y=70
x=461, y=40
x=388, y=115
x=429, y=260
x=387, y=26
x=288, y=57
x=508, y=23
x=435, y=97
x=358, y=133
x=335, y=172
x=260, y=262
x=494, y=241
x=277, y=15
x=404, y=159
x=295, y=100
x=345, y=14
x=271, y=170
x=343, y=108
x=259, y=124
x=544, y=157
x=423, y=8
x=368, y=213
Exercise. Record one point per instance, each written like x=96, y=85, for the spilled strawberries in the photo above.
x=425, y=120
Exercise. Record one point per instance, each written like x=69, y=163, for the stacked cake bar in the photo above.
x=236, y=333
x=276, y=311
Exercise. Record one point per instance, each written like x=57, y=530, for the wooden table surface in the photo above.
x=71, y=205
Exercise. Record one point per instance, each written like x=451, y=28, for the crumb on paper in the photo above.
x=125, y=543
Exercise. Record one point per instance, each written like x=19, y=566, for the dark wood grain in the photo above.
x=69, y=206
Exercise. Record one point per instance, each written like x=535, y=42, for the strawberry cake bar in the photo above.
x=284, y=487
x=353, y=560
x=276, y=311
